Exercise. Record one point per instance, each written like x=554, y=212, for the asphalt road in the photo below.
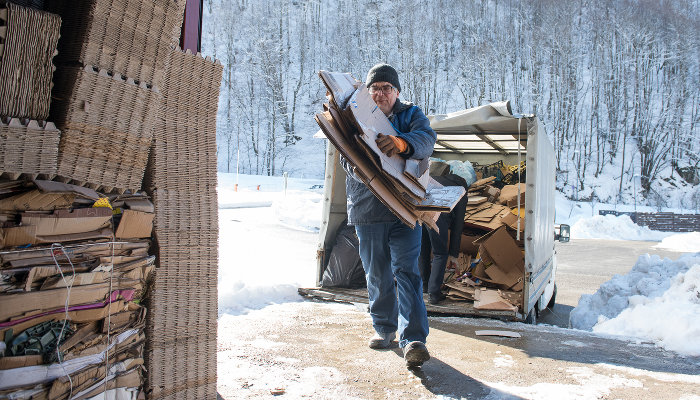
x=584, y=264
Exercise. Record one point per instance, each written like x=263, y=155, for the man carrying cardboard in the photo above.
x=388, y=248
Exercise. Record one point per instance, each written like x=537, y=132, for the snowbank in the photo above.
x=658, y=300
x=611, y=227
x=258, y=263
x=684, y=242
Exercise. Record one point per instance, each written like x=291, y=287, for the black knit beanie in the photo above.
x=383, y=73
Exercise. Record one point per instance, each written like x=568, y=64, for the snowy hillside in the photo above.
x=616, y=84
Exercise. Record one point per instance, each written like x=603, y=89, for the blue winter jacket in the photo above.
x=412, y=126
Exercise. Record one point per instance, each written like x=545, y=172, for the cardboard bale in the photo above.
x=130, y=37
x=181, y=365
x=183, y=155
x=28, y=147
x=181, y=180
x=28, y=42
x=106, y=123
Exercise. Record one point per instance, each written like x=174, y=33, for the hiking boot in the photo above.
x=381, y=340
x=415, y=354
x=436, y=299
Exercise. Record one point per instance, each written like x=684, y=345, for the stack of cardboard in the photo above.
x=352, y=122
x=112, y=59
x=28, y=40
x=107, y=127
x=71, y=319
x=493, y=266
x=181, y=178
x=28, y=147
x=130, y=37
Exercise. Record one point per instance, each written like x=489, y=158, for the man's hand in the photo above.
x=391, y=145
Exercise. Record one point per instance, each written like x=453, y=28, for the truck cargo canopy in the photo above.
x=491, y=128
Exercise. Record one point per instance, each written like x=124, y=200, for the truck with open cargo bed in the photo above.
x=483, y=135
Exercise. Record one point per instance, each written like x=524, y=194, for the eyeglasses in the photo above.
x=376, y=89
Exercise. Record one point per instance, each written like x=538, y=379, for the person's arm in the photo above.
x=420, y=137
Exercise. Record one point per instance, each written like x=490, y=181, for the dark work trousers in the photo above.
x=433, y=272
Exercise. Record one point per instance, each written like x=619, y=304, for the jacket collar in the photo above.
x=400, y=106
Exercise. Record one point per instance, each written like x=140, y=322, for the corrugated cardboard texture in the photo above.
x=130, y=37
x=181, y=180
x=107, y=127
x=28, y=147
x=135, y=224
x=183, y=156
x=182, y=364
x=26, y=67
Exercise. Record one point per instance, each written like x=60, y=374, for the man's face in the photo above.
x=385, y=95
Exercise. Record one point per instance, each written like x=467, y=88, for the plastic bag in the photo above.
x=344, y=265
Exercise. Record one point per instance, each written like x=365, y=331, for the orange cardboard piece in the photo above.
x=135, y=224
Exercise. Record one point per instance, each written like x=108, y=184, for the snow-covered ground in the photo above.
x=657, y=301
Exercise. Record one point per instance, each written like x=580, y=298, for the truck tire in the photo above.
x=553, y=300
x=532, y=316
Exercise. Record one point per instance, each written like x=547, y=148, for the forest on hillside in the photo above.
x=616, y=83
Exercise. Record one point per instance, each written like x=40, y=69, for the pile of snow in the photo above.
x=658, y=300
x=259, y=263
x=685, y=242
x=611, y=227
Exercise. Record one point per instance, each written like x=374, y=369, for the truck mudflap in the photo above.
x=445, y=308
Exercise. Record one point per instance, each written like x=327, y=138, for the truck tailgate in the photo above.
x=446, y=307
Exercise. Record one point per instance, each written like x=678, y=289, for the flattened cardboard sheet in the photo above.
x=509, y=195
x=66, y=222
x=372, y=121
x=508, y=267
x=135, y=224
x=59, y=187
x=490, y=299
x=37, y=201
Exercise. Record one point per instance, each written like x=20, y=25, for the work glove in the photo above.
x=391, y=145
